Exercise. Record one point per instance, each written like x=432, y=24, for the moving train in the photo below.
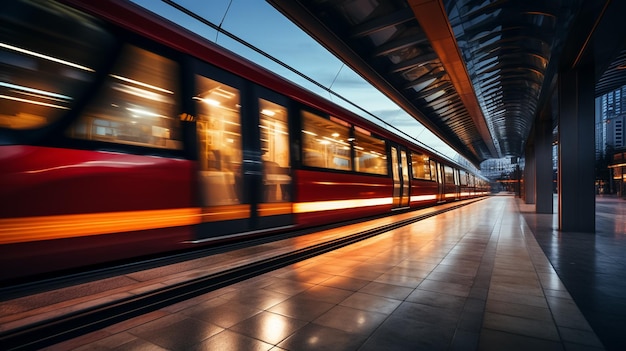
x=124, y=135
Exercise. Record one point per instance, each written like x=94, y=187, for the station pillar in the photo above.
x=530, y=171
x=543, y=164
x=576, y=150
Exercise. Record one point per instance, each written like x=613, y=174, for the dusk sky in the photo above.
x=259, y=24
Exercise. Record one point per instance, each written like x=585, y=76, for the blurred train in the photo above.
x=124, y=135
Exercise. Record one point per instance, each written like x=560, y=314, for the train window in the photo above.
x=275, y=151
x=370, y=154
x=433, y=171
x=448, y=175
x=49, y=55
x=325, y=143
x=219, y=141
x=464, y=178
x=137, y=103
x=421, y=166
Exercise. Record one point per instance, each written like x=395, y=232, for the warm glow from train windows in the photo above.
x=223, y=93
x=140, y=92
x=32, y=102
x=140, y=112
x=268, y=113
x=145, y=85
x=335, y=135
x=231, y=123
x=276, y=130
x=331, y=140
x=207, y=101
x=35, y=92
x=324, y=142
x=45, y=57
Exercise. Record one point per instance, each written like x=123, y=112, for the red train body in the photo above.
x=123, y=135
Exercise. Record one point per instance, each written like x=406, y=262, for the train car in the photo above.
x=124, y=135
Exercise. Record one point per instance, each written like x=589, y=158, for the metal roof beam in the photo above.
x=433, y=19
x=384, y=22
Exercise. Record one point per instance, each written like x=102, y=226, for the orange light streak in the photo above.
x=16, y=230
x=304, y=207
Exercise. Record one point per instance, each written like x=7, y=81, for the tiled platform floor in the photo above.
x=470, y=279
x=591, y=266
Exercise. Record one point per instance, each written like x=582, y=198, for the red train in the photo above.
x=122, y=135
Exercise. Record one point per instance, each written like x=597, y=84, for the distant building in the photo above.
x=611, y=141
x=610, y=118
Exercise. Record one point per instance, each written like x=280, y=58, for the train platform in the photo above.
x=472, y=278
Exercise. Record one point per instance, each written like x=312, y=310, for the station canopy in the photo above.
x=474, y=72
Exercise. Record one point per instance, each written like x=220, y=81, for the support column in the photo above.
x=529, y=174
x=543, y=165
x=576, y=150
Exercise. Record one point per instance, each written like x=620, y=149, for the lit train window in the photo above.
x=275, y=151
x=370, y=155
x=433, y=171
x=49, y=55
x=325, y=143
x=421, y=166
x=464, y=178
x=448, y=175
x=137, y=104
x=219, y=142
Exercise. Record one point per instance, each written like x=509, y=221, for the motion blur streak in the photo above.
x=14, y=230
x=304, y=207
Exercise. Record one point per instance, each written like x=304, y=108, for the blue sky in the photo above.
x=258, y=23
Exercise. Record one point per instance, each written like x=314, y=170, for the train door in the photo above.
x=223, y=183
x=458, y=185
x=441, y=193
x=243, y=156
x=400, y=172
x=274, y=204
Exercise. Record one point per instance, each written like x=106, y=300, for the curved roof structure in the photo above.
x=475, y=72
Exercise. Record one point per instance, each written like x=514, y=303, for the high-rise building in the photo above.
x=610, y=118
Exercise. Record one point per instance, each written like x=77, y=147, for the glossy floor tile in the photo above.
x=470, y=279
x=592, y=267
